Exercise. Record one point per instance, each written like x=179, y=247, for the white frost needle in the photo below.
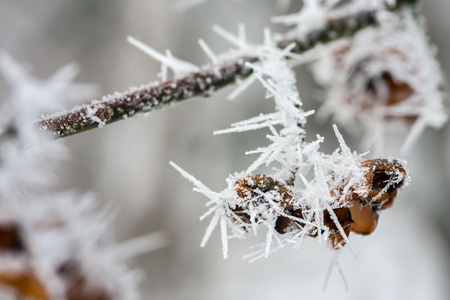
x=178, y=66
x=141, y=245
x=208, y=51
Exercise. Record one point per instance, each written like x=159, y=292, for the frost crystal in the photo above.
x=309, y=193
x=312, y=16
x=178, y=66
x=183, y=5
x=383, y=75
x=53, y=246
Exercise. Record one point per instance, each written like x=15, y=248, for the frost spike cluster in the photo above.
x=53, y=245
x=309, y=193
x=223, y=71
x=384, y=75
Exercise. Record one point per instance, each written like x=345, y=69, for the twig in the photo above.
x=148, y=98
x=144, y=99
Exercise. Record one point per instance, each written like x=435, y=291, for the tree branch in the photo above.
x=144, y=99
x=150, y=97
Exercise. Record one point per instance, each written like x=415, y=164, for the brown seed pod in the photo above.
x=365, y=90
x=335, y=238
x=343, y=215
x=365, y=219
x=252, y=190
x=386, y=178
x=395, y=92
x=283, y=223
x=398, y=91
x=359, y=212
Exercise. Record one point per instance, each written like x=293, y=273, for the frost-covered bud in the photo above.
x=369, y=84
x=335, y=238
x=386, y=177
x=260, y=194
x=260, y=190
x=383, y=75
x=254, y=188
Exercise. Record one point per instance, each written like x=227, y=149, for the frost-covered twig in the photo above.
x=144, y=99
x=53, y=245
x=211, y=78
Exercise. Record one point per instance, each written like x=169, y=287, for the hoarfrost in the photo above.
x=383, y=75
x=247, y=202
x=60, y=237
x=184, y=5
x=178, y=66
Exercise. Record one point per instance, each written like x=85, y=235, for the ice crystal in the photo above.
x=303, y=195
x=183, y=5
x=25, y=157
x=65, y=238
x=382, y=75
x=312, y=16
x=178, y=66
x=53, y=246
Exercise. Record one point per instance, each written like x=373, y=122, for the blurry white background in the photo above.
x=127, y=163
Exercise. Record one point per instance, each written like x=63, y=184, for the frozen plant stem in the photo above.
x=211, y=78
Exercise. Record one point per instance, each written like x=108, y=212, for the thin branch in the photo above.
x=203, y=83
x=144, y=99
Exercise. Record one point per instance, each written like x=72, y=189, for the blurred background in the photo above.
x=127, y=163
